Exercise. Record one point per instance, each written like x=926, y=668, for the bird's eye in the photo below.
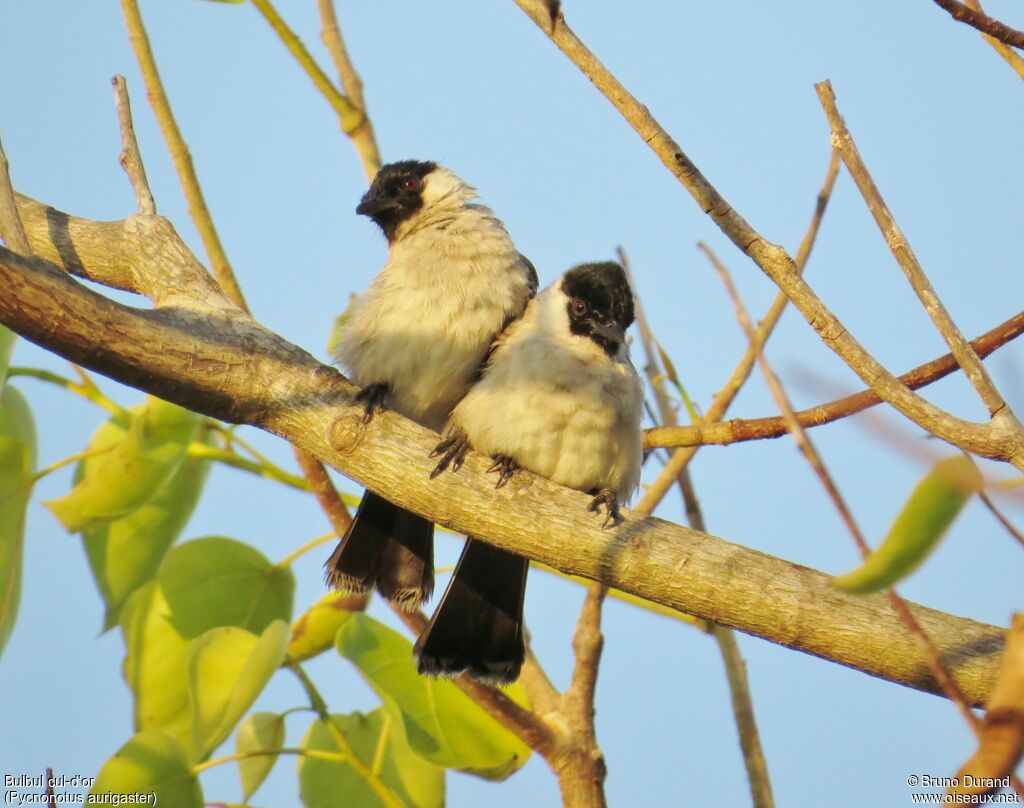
x=410, y=183
x=579, y=308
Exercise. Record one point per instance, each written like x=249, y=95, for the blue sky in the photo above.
x=938, y=119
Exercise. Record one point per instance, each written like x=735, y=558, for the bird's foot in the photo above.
x=372, y=398
x=505, y=467
x=452, y=451
x=610, y=501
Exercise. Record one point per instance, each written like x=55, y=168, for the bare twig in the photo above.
x=743, y=712
x=1011, y=56
x=742, y=429
x=680, y=459
x=179, y=154
x=362, y=135
x=998, y=441
x=743, y=706
x=938, y=668
x=130, y=157
x=1001, y=517
x=324, y=491
x=350, y=117
x=989, y=26
x=975, y=371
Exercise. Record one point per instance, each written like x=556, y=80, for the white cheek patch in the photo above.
x=440, y=186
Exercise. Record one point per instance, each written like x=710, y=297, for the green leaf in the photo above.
x=929, y=512
x=156, y=665
x=442, y=724
x=130, y=462
x=378, y=742
x=314, y=632
x=153, y=764
x=201, y=585
x=260, y=732
x=7, y=340
x=217, y=581
x=17, y=463
x=125, y=554
x=228, y=668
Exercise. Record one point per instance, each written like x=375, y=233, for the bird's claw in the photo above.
x=505, y=467
x=452, y=451
x=372, y=398
x=610, y=501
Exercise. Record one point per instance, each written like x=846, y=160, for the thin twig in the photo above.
x=180, y=154
x=89, y=393
x=349, y=116
x=934, y=660
x=324, y=491
x=681, y=458
x=984, y=23
x=1001, y=517
x=743, y=712
x=362, y=137
x=842, y=140
x=736, y=672
x=1011, y=56
x=743, y=429
x=130, y=157
x=999, y=441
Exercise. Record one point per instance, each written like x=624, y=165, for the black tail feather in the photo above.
x=387, y=547
x=478, y=626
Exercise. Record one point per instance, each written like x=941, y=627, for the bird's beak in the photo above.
x=613, y=333
x=373, y=206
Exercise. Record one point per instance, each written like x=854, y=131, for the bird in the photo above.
x=415, y=341
x=558, y=397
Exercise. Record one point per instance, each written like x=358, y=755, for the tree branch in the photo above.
x=996, y=440
x=1009, y=54
x=975, y=371
x=179, y=152
x=984, y=23
x=743, y=429
x=224, y=364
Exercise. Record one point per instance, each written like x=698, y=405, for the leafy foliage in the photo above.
x=151, y=763
x=442, y=724
x=378, y=742
x=924, y=520
x=17, y=462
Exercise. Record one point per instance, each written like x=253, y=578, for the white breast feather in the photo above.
x=558, y=404
x=423, y=326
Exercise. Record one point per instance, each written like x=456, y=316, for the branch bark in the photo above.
x=217, y=360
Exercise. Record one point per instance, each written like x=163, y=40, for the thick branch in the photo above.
x=227, y=366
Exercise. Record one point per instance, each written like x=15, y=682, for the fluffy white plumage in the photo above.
x=557, y=403
x=452, y=280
